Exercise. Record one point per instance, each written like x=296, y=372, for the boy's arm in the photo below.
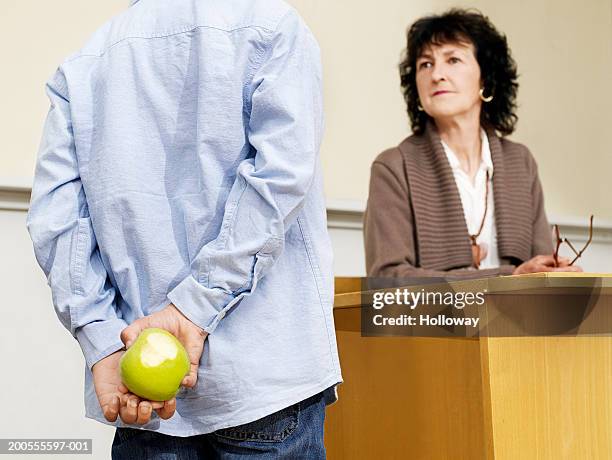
x=64, y=241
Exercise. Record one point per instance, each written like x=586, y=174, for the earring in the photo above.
x=420, y=109
x=485, y=99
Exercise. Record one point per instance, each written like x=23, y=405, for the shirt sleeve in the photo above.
x=64, y=241
x=284, y=129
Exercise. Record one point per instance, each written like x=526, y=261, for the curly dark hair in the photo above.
x=497, y=67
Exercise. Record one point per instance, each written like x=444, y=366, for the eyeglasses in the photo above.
x=566, y=241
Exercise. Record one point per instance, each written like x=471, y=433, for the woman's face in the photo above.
x=448, y=81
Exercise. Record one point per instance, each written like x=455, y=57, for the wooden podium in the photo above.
x=495, y=397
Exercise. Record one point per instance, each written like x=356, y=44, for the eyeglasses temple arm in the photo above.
x=579, y=253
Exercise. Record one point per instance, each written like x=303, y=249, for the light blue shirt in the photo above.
x=180, y=163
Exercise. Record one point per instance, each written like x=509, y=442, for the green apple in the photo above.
x=154, y=366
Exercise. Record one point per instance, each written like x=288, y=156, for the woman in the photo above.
x=455, y=199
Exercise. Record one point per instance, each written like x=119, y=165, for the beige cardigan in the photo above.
x=414, y=223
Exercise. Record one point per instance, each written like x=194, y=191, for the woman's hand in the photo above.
x=540, y=264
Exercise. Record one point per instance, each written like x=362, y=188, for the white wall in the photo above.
x=563, y=49
x=564, y=52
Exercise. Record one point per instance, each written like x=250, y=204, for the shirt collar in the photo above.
x=486, y=162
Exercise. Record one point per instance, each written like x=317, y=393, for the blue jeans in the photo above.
x=295, y=432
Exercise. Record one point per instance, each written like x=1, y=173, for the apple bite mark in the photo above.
x=159, y=348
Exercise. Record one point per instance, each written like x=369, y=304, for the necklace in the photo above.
x=478, y=250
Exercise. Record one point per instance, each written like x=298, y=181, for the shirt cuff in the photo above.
x=203, y=306
x=99, y=339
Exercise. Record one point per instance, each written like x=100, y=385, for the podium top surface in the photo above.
x=563, y=275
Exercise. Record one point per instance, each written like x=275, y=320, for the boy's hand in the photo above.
x=172, y=320
x=116, y=400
